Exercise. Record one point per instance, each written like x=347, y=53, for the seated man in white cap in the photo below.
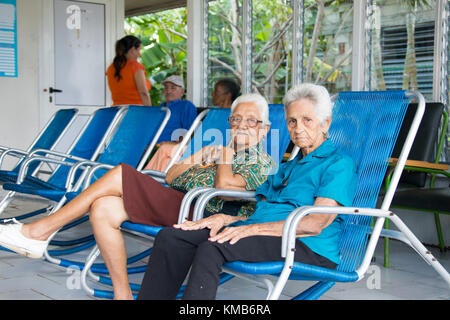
x=183, y=112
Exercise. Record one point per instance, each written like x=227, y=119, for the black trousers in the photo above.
x=175, y=251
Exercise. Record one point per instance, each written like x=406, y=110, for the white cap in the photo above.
x=176, y=80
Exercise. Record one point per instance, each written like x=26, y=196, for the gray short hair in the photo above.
x=318, y=95
x=258, y=100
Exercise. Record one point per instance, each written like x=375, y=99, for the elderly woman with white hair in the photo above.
x=124, y=194
x=318, y=175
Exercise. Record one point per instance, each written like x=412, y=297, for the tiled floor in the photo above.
x=409, y=277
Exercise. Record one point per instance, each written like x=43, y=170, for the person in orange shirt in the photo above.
x=126, y=76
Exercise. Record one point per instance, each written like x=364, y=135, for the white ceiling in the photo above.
x=138, y=7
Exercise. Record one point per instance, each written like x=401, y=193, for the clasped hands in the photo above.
x=215, y=223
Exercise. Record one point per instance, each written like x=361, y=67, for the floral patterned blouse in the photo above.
x=253, y=164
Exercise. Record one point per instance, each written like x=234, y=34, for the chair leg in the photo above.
x=386, y=245
x=417, y=245
x=437, y=220
x=316, y=291
x=6, y=201
x=89, y=262
x=265, y=281
x=28, y=215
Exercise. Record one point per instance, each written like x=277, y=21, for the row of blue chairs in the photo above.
x=365, y=126
x=109, y=137
x=212, y=130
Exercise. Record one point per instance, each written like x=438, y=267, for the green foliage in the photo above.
x=164, y=37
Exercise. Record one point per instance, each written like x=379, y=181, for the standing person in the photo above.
x=224, y=93
x=127, y=79
x=319, y=175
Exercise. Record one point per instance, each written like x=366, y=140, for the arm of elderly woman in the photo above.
x=184, y=165
x=223, y=156
x=176, y=170
x=225, y=178
x=309, y=226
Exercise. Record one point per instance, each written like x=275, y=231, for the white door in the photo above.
x=79, y=54
x=76, y=47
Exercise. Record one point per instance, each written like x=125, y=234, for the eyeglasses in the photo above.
x=251, y=122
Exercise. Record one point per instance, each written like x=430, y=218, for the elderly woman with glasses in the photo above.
x=125, y=194
x=318, y=175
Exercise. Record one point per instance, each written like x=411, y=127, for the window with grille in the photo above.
x=394, y=49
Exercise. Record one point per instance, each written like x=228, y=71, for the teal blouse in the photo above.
x=325, y=172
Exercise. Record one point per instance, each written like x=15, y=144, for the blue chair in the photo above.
x=86, y=146
x=209, y=128
x=365, y=126
x=132, y=141
x=46, y=139
x=214, y=130
x=275, y=144
x=146, y=123
x=217, y=120
x=278, y=138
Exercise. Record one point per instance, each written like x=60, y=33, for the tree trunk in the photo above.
x=377, y=77
x=315, y=38
x=236, y=42
x=410, y=69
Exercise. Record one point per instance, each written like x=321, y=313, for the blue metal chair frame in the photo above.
x=194, y=138
x=214, y=119
x=93, y=174
x=47, y=138
x=365, y=126
x=86, y=146
x=277, y=134
x=147, y=123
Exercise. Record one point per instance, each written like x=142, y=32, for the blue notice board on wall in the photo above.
x=8, y=38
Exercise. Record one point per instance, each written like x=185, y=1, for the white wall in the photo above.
x=19, y=106
x=21, y=115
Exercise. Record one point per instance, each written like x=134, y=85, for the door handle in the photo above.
x=52, y=90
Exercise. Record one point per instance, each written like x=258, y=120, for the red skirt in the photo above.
x=147, y=201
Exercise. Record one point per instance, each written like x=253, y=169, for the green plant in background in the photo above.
x=163, y=36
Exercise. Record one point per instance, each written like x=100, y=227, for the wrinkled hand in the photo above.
x=234, y=234
x=212, y=153
x=214, y=223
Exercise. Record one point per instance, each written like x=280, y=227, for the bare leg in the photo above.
x=110, y=184
x=106, y=216
x=162, y=157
